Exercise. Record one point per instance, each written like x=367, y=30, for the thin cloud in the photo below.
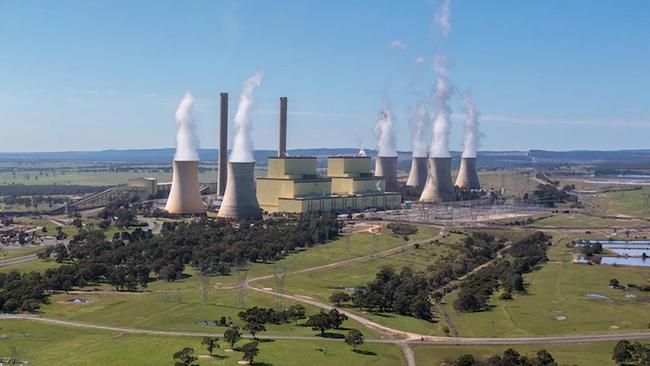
x=420, y=60
x=443, y=16
x=398, y=45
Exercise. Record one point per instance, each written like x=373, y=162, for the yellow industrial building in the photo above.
x=293, y=185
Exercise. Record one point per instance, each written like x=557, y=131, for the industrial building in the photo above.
x=294, y=185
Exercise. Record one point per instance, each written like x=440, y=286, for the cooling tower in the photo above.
x=184, y=197
x=438, y=187
x=386, y=167
x=223, y=146
x=240, y=199
x=467, y=175
x=418, y=174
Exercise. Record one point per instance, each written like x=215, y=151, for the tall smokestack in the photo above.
x=282, y=146
x=418, y=174
x=467, y=175
x=386, y=167
x=240, y=198
x=184, y=197
x=223, y=146
x=439, y=187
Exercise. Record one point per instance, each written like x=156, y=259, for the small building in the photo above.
x=293, y=185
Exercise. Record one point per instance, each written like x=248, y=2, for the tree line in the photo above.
x=129, y=261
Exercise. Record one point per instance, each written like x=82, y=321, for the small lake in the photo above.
x=626, y=261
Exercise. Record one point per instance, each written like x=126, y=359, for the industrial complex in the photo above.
x=295, y=184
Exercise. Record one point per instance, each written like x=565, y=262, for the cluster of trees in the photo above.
x=128, y=260
x=631, y=354
x=255, y=319
x=509, y=358
x=20, y=190
x=405, y=293
x=589, y=248
x=521, y=257
x=408, y=292
x=186, y=357
x=33, y=201
x=549, y=195
x=21, y=291
x=324, y=321
x=123, y=214
x=402, y=229
x=615, y=283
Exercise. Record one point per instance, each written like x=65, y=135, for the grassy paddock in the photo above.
x=572, y=354
x=44, y=344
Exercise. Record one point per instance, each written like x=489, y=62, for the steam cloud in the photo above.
x=472, y=135
x=442, y=17
x=187, y=142
x=385, y=133
x=242, y=147
x=420, y=119
x=442, y=92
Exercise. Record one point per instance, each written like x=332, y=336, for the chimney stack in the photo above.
x=223, y=146
x=282, y=147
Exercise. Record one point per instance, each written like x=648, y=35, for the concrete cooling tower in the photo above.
x=386, y=167
x=418, y=174
x=184, y=197
x=439, y=187
x=240, y=198
x=467, y=175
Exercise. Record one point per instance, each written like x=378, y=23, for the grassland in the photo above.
x=559, y=289
x=631, y=203
x=8, y=253
x=573, y=354
x=585, y=221
x=515, y=183
x=43, y=344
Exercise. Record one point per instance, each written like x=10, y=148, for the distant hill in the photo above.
x=486, y=159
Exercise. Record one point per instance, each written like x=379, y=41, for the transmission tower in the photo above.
x=242, y=274
x=280, y=275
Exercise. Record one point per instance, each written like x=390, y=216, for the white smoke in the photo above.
x=385, y=133
x=442, y=92
x=187, y=142
x=242, y=147
x=443, y=16
x=397, y=44
x=472, y=135
x=420, y=119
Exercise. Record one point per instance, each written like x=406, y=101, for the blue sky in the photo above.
x=91, y=75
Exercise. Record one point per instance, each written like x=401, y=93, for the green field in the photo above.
x=43, y=344
x=559, y=289
x=632, y=203
x=8, y=253
x=585, y=221
x=573, y=354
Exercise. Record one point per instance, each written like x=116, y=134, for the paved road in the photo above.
x=17, y=260
x=400, y=342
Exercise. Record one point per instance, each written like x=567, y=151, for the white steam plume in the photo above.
x=385, y=133
x=442, y=123
x=187, y=142
x=420, y=119
x=472, y=135
x=242, y=146
x=442, y=17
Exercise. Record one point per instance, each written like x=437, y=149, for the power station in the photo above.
x=294, y=185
